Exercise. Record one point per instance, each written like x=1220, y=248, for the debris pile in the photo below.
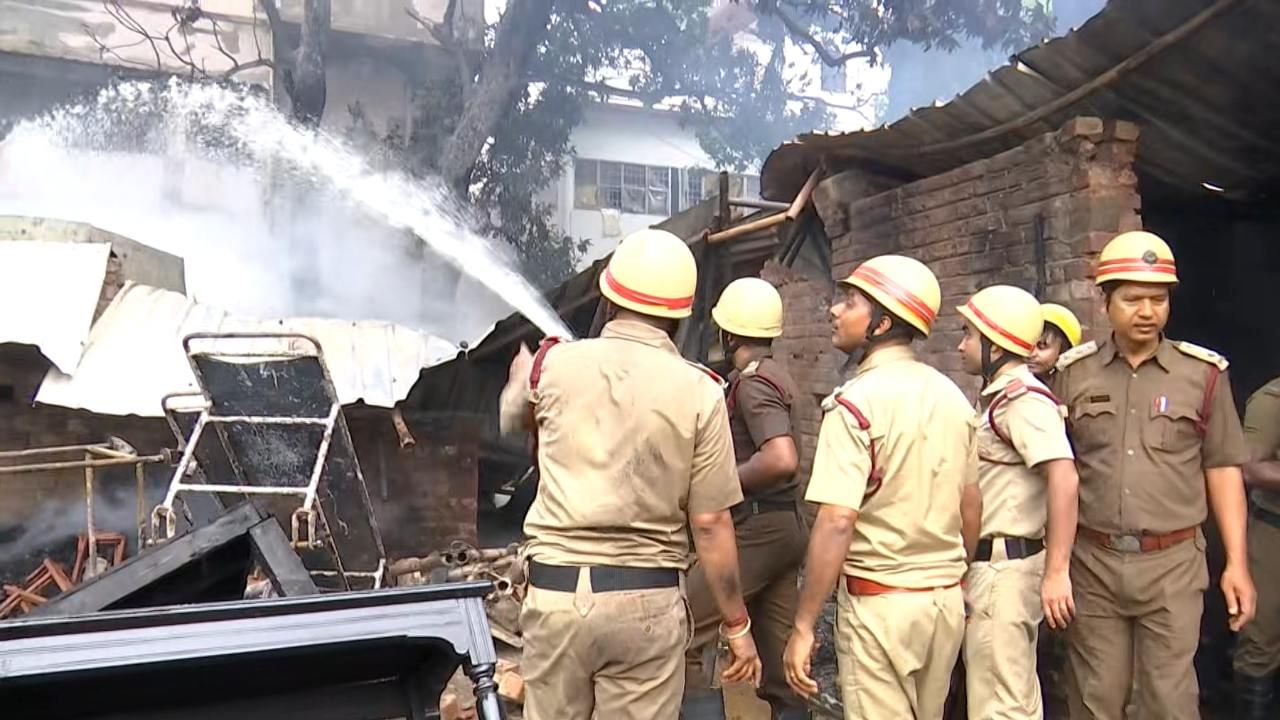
x=462, y=562
x=50, y=579
x=502, y=566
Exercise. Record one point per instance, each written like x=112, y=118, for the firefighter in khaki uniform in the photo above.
x=1027, y=476
x=898, y=506
x=1156, y=436
x=1062, y=331
x=1257, y=654
x=633, y=452
x=771, y=533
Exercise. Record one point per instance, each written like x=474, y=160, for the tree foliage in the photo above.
x=741, y=98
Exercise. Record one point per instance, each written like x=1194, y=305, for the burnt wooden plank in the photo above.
x=288, y=575
x=154, y=564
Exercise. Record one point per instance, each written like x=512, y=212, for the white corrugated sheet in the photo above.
x=48, y=292
x=134, y=356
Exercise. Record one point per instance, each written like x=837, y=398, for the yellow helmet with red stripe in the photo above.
x=1137, y=256
x=903, y=286
x=1008, y=316
x=1065, y=320
x=653, y=273
x=749, y=307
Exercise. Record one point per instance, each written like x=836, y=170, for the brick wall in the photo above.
x=974, y=226
x=424, y=496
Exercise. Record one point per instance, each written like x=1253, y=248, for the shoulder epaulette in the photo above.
x=709, y=373
x=1079, y=352
x=1202, y=354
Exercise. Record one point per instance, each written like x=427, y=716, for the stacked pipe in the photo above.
x=463, y=562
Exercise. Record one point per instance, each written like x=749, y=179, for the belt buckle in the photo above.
x=1126, y=543
x=755, y=507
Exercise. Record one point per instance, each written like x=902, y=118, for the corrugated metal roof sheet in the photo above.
x=1196, y=75
x=134, y=355
x=48, y=293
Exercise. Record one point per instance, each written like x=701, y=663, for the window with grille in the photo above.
x=650, y=189
x=629, y=187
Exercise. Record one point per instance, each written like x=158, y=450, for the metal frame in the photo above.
x=303, y=521
x=99, y=455
x=305, y=514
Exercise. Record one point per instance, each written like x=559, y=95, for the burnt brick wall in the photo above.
x=424, y=496
x=974, y=226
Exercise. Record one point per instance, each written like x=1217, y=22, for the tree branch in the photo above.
x=522, y=27
x=804, y=35
x=445, y=35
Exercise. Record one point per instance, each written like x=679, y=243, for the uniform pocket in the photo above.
x=1173, y=429
x=1093, y=424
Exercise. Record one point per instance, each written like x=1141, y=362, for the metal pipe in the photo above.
x=402, y=429
x=267, y=420
x=188, y=454
x=792, y=212
x=10, y=454
x=108, y=452
x=761, y=204
x=246, y=489
x=78, y=464
x=91, y=563
x=321, y=455
x=140, y=474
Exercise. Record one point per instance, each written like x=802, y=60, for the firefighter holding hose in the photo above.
x=634, y=454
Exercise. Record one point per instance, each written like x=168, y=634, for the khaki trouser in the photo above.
x=1136, y=613
x=771, y=547
x=1258, y=649
x=1000, y=637
x=619, y=655
x=896, y=652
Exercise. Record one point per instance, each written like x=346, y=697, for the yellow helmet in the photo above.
x=653, y=273
x=749, y=307
x=904, y=286
x=1065, y=320
x=1137, y=256
x=1008, y=316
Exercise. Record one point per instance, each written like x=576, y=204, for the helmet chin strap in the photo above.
x=989, y=366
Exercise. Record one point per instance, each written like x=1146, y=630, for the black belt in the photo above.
x=604, y=578
x=1015, y=547
x=746, y=509
x=1266, y=516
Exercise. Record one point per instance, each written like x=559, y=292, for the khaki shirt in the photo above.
x=1140, y=457
x=631, y=440
x=1262, y=434
x=761, y=413
x=1014, y=498
x=907, y=534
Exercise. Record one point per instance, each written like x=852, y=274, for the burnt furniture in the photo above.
x=368, y=655
x=267, y=423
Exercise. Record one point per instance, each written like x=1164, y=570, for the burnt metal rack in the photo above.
x=267, y=423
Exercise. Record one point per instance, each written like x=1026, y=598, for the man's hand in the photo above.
x=796, y=662
x=1242, y=598
x=745, y=663
x=521, y=365
x=1056, y=601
